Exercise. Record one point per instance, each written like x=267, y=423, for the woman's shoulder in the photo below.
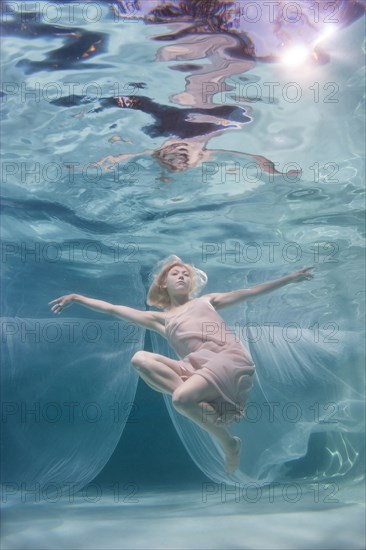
x=204, y=298
x=158, y=316
x=209, y=298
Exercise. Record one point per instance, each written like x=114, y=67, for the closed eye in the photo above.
x=176, y=273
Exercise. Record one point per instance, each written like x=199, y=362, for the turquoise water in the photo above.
x=78, y=216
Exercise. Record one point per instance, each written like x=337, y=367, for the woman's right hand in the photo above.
x=61, y=303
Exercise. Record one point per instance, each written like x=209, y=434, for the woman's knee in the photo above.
x=181, y=398
x=140, y=360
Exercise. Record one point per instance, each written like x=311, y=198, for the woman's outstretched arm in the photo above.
x=225, y=299
x=147, y=319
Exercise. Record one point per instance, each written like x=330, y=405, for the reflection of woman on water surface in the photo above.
x=188, y=130
x=211, y=381
x=231, y=39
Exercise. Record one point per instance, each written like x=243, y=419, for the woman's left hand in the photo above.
x=302, y=274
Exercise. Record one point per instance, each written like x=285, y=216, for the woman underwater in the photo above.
x=211, y=381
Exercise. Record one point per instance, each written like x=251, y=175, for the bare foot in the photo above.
x=233, y=456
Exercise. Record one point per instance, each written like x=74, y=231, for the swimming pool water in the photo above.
x=91, y=200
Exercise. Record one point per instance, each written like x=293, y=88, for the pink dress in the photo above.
x=206, y=346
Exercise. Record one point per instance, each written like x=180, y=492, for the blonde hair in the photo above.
x=158, y=296
x=173, y=157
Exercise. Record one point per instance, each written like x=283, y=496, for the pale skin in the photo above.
x=197, y=153
x=192, y=396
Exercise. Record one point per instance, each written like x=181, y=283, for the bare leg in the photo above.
x=161, y=373
x=192, y=400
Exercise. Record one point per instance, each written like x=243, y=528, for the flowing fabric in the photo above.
x=68, y=389
x=306, y=382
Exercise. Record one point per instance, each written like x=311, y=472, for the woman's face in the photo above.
x=180, y=156
x=178, y=280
